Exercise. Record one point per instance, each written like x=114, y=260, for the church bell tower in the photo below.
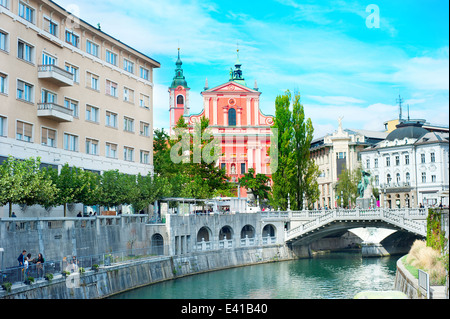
x=178, y=95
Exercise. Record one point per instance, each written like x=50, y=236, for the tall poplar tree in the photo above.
x=297, y=174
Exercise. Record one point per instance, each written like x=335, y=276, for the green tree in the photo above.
x=117, y=189
x=304, y=181
x=347, y=186
x=197, y=153
x=257, y=184
x=297, y=173
x=23, y=182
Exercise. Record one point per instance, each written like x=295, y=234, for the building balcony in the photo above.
x=55, y=112
x=55, y=75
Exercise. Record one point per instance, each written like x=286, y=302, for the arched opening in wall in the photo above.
x=180, y=99
x=231, y=117
x=203, y=234
x=226, y=233
x=248, y=230
x=268, y=231
x=157, y=244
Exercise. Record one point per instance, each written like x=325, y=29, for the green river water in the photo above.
x=330, y=276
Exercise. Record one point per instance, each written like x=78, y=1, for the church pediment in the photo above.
x=231, y=87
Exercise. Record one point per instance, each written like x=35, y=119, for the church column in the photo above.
x=215, y=110
x=239, y=115
x=256, y=106
x=249, y=111
x=225, y=115
x=206, y=107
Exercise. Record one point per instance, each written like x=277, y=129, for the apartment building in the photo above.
x=70, y=93
x=411, y=166
x=336, y=152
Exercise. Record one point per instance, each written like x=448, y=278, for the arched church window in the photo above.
x=231, y=117
x=180, y=99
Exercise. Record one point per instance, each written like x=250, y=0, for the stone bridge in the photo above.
x=304, y=227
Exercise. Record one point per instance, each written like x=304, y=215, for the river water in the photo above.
x=330, y=276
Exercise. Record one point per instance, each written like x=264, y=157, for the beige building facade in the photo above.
x=70, y=93
x=336, y=152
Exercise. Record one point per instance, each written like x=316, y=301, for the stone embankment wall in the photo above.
x=122, y=277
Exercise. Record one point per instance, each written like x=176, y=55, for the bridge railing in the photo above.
x=397, y=217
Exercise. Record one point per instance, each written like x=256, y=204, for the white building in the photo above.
x=336, y=152
x=410, y=167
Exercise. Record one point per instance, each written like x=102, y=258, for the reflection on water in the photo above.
x=337, y=275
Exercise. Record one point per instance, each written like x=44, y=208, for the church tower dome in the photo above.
x=178, y=95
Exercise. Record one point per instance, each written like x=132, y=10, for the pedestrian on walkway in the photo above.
x=40, y=265
x=26, y=266
x=21, y=258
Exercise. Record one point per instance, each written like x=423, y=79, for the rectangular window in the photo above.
x=25, y=51
x=92, y=81
x=111, y=57
x=4, y=37
x=3, y=83
x=242, y=168
x=145, y=74
x=422, y=158
x=341, y=155
x=128, y=95
x=26, y=12
x=92, y=48
x=144, y=101
x=91, y=146
x=111, y=119
x=91, y=113
x=424, y=177
x=74, y=70
x=4, y=3
x=377, y=180
x=72, y=38
x=397, y=160
x=3, y=123
x=111, y=150
x=375, y=162
x=388, y=161
x=128, y=65
x=406, y=159
x=70, y=142
x=111, y=88
x=48, y=137
x=24, y=131
x=128, y=153
x=433, y=178
x=25, y=91
x=145, y=157
x=128, y=124
x=50, y=26
x=73, y=105
x=144, y=129
x=48, y=97
x=47, y=59
x=368, y=163
x=432, y=157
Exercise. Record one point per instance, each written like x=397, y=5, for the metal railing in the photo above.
x=73, y=264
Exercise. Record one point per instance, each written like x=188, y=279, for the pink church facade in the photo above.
x=234, y=118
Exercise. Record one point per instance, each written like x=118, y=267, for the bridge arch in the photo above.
x=269, y=230
x=204, y=234
x=248, y=231
x=226, y=232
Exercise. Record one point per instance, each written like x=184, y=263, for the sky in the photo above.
x=349, y=59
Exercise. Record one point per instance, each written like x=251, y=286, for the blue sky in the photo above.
x=322, y=49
